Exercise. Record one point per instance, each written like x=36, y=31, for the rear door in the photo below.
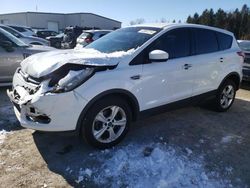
x=206, y=60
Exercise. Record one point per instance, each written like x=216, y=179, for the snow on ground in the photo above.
x=3, y=134
x=230, y=138
x=155, y=166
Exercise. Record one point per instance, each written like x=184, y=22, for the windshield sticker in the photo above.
x=147, y=31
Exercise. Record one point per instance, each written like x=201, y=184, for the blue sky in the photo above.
x=126, y=10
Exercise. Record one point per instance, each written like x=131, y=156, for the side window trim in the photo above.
x=146, y=50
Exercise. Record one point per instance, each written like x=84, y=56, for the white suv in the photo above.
x=98, y=90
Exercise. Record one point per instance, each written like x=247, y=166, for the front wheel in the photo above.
x=106, y=123
x=225, y=96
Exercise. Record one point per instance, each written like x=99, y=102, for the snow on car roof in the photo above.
x=168, y=25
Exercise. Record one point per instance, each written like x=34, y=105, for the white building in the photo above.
x=58, y=21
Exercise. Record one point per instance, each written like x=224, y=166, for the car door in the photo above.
x=207, y=61
x=172, y=80
x=9, y=61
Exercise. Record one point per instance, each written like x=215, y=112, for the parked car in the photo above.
x=89, y=36
x=45, y=33
x=70, y=36
x=245, y=47
x=26, y=39
x=24, y=30
x=98, y=90
x=12, y=52
x=55, y=41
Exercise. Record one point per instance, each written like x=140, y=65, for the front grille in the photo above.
x=28, y=83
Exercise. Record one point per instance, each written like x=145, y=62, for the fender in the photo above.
x=133, y=102
x=235, y=76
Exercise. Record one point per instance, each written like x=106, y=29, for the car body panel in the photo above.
x=153, y=85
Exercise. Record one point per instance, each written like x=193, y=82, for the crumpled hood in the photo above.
x=42, y=64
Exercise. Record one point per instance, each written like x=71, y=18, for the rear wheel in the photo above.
x=106, y=123
x=225, y=96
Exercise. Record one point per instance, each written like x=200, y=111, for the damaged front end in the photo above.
x=34, y=98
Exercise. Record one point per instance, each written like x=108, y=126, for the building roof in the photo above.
x=61, y=14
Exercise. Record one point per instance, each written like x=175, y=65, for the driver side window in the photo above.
x=177, y=43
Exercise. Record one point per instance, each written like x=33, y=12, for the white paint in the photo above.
x=159, y=83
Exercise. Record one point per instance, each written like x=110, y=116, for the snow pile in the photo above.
x=84, y=175
x=160, y=167
x=3, y=134
x=44, y=63
x=231, y=138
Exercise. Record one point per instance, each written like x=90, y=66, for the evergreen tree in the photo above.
x=237, y=21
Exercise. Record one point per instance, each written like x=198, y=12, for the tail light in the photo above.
x=241, y=54
x=89, y=40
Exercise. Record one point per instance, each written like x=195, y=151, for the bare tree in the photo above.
x=163, y=20
x=137, y=21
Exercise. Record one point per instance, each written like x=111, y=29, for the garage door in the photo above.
x=53, y=26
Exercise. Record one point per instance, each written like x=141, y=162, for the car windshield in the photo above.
x=124, y=39
x=245, y=45
x=13, y=38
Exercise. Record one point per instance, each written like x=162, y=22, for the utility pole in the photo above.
x=36, y=5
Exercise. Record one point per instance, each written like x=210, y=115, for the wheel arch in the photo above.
x=234, y=76
x=36, y=43
x=130, y=98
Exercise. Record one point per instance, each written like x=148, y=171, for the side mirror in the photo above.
x=158, y=56
x=7, y=45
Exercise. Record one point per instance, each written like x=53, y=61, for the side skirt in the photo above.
x=195, y=100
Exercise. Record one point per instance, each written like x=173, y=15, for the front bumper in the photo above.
x=45, y=111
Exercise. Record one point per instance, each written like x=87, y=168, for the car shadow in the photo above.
x=8, y=120
x=222, y=139
x=245, y=85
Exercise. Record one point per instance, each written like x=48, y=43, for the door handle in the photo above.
x=135, y=77
x=187, y=66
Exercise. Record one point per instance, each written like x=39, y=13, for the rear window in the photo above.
x=86, y=35
x=225, y=41
x=205, y=41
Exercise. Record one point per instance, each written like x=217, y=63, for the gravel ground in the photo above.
x=190, y=147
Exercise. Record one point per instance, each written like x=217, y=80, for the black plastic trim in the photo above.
x=228, y=76
x=176, y=105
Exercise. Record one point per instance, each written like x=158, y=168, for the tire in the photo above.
x=106, y=122
x=58, y=45
x=225, y=96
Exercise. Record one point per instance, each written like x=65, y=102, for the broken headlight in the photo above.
x=69, y=80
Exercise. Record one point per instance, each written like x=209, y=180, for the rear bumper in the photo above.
x=246, y=73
